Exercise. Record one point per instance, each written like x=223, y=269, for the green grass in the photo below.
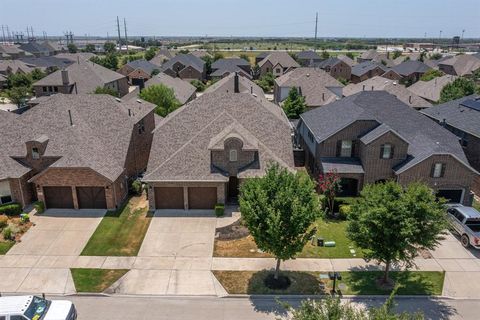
x=357, y=283
x=95, y=280
x=476, y=204
x=5, y=246
x=120, y=233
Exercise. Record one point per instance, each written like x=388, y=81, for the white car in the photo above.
x=466, y=222
x=36, y=308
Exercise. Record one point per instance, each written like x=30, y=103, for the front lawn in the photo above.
x=5, y=246
x=356, y=283
x=476, y=204
x=121, y=233
x=95, y=280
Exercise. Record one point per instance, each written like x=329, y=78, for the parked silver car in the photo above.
x=466, y=222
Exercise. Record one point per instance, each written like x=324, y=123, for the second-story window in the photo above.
x=141, y=126
x=438, y=170
x=346, y=148
x=35, y=153
x=233, y=156
x=386, y=151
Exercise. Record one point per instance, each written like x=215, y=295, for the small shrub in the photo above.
x=344, y=211
x=3, y=221
x=199, y=85
x=39, y=206
x=11, y=209
x=136, y=187
x=219, y=210
x=24, y=218
x=7, y=234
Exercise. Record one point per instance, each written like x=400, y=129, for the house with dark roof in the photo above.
x=411, y=70
x=460, y=65
x=236, y=83
x=47, y=63
x=162, y=56
x=375, y=56
x=277, y=63
x=347, y=60
x=138, y=70
x=81, y=77
x=336, y=67
x=36, y=49
x=366, y=70
x=223, y=67
x=75, y=152
x=8, y=67
x=261, y=56
x=318, y=87
x=185, y=66
x=431, y=90
x=372, y=136
x=308, y=58
x=202, y=151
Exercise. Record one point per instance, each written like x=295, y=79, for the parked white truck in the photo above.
x=36, y=308
x=466, y=222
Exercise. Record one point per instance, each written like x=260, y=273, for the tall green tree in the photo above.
x=266, y=82
x=325, y=54
x=459, y=88
x=18, y=95
x=431, y=74
x=37, y=74
x=19, y=80
x=90, y=48
x=295, y=104
x=208, y=63
x=150, y=53
x=393, y=223
x=278, y=210
x=109, y=47
x=72, y=48
x=162, y=96
x=396, y=54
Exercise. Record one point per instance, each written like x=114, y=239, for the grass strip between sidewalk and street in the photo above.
x=5, y=246
x=120, y=233
x=95, y=280
x=356, y=282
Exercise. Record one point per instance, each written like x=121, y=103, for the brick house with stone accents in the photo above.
x=202, y=151
x=372, y=136
x=75, y=151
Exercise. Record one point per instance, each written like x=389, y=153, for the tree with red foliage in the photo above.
x=329, y=186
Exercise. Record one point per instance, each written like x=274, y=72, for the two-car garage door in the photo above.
x=62, y=197
x=173, y=197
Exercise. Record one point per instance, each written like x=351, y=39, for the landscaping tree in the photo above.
x=325, y=55
x=198, y=84
x=266, y=82
x=109, y=47
x=294, y=105
x=218, y=56
x=350, y=55
x=459, y=88
x=396, y=54
x=18, y=95
x=19, y=80
x=245, y=57
x=37, y=74
x=162, y=96
x=431, y=74
x=72, y=48
x=329, y=186
x=208, y=63
x=90, y=48
x=110, y=61
x=105, y=90
x=150, y=53
x=436, y=56
x=393, y=223
x=278, y=210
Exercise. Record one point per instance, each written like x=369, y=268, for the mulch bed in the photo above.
x=233, y=231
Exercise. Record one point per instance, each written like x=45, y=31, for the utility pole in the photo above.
x=316, y=26
x=119, y=38
x=3, y=34
x=125, y=28
x=463, y=32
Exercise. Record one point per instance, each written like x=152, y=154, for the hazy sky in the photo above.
x=352, y=18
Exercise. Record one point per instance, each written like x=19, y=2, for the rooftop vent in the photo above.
x=139, y=101
x=118, y=99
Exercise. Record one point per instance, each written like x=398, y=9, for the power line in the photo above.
x=316, y=25
x=119, y=38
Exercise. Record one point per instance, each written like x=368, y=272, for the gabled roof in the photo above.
x=15, y=66
x=228, y=62
x=187, y=60
x=98, y=139
x=10, y=49
x=53, y=45
x=379, y=83
x=463, y=64
x=364, y=67
x=330, y=62
x=76, y=57
x=180, y=149
x=47, y=61
x=377, y=133
x=347, y=60
x=410, y=67
x=431, y=90
x=144, y=65
x=229, y=70
x=227, y=84
x=34, y=47
x=424, y=136
x=87, y=76
x=281, y=58
x=458, y=115
x=308, y=55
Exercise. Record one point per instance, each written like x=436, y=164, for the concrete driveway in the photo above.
x=58, y=232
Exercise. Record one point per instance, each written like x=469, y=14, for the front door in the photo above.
x=233, y=189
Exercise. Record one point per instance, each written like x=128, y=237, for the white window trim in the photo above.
x=349, y=148
x=437, y=174
x=233, y=155
x=389, y=151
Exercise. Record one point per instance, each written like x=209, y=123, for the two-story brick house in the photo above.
x=277, y=63
x=185, y=66
x=203, y=151
x=336, y=67
x=75, y=151
x=372, y=136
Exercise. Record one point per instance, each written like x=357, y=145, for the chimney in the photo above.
x=70, y=117
x=236, y=87
x=372, y=88
x=323, y=96
x=363, y=88
x=251, y=89
x=129, y=112
x=142, y=84
x=65, y=80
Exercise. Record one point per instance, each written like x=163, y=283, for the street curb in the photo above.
x=293, y=296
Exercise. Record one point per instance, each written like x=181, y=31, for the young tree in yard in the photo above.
x=396, y=54
x=431, y=74
x=325, y=55
x=294, y=105
x=208, y=63
x=18, y=95
x=461, y=87
x=393, y=223
x=150, y=53
x=329, y=186
x=266, y=82
x=198, y=84
x=72, y=48
x=105, y=90
x=90, y=48
x=278, y=210
x=350, y=55
x=218, y=56
x=37, y=74
x=162, y=96
x=109, y=47
x=19, y=80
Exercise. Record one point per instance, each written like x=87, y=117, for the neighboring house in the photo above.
x=367, y=70
x=374, y=56
x=308, y=58
x=76, y=57
x=75, y=152
x=47, y=63
x=138, y=70
x=379, y=83
x=162, y=56
x=347, y=60
x=81, y=77
x=183, y=90
x=8, y=67
x=261, y=56
x=462, y=117
x=391, y=74
x=336, y=68
x=185, y=66
x=233, y=82
x=54, y=47
x=318, y=87
x=431, y=90
x=11, y=51
x=203, y=151
x=460, y=65
x=224, y=67
x=372, y=136
x=411, y=70
x=36, y=49
x=277, y=63
x=201, y=54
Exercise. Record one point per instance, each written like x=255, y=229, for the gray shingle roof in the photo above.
x=463, y=64
x=282, y=58
x=431, y=90
x=34, y=47
x=342, y=165
x=225, y=63
x=347, y=60
x=457, y=115
x=226, y=85
x=99, y=138
x=15, y=66
x=425, y=137
x=410, y=67
x=308, y=55
x=180, y=146
x=187, y=60
x=364, y=67
x=47, y=62
x=144, y=65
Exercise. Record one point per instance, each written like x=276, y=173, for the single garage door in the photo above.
x=169, y=198
x=452, y=195
x=91, y=198
x=202, y=198
x=58, y=197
